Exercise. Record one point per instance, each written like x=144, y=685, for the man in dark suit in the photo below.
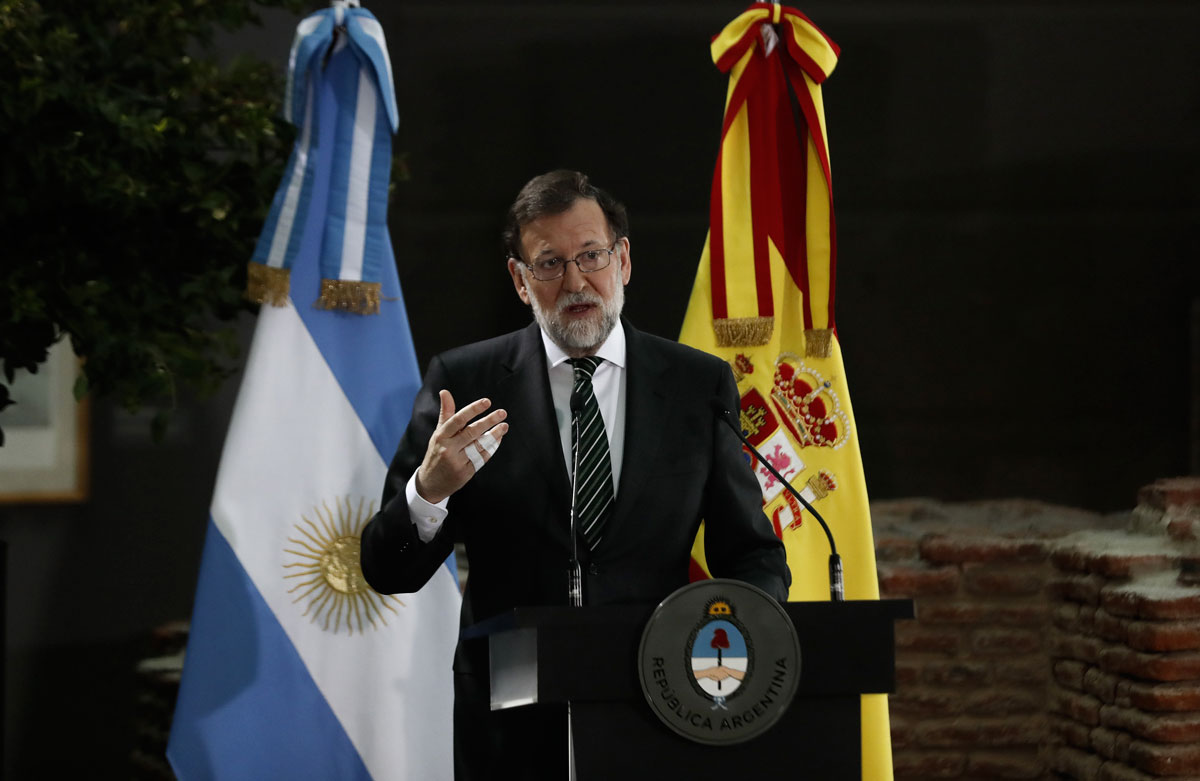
x=654, y=461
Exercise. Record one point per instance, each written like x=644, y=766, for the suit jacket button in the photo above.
x=593, y=569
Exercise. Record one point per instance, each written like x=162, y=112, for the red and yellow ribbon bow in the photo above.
x=771, y=190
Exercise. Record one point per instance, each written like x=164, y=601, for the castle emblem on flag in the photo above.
x=326, y=555
x=757, y=420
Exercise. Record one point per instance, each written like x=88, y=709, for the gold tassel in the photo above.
x=818, y=342
x=743, y=331
x=361, y=298
x=267, y=284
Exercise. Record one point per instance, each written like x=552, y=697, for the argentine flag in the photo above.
x=295, y=668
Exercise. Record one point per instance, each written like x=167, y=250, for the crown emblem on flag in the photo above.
x=808, y=404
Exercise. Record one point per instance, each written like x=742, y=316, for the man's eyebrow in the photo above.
x=585, y=245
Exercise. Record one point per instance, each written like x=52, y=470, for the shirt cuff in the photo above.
x=426, y=516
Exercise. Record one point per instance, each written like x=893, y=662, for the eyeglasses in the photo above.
x=587, y=261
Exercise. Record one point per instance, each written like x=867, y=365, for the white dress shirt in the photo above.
x=608, y=383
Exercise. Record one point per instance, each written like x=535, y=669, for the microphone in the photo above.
x=836, y=588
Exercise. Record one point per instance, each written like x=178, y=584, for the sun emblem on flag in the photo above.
x=326, y=556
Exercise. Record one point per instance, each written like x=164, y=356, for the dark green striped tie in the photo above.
x=594, y=485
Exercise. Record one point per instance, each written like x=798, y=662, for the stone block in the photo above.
x=901, y=730
x=994, y=732
x=1075, y=763
x=1155, y=727
x=1068, y=731
x=956, y=673
x=1163, y=635
x=1165, y=760
x=1183, y=666
x=1008, y=580
x=1068, y=673
x=1171, y=492
x=1156, y=597
x=1081, y=588
x=1117, y=771
x=930, y=611
x=1158, y=697
x=1031, y=672
x=956, y=549
x=1071, y=646
x=912, y=636
x=1101, y=685
x=1003, y=702
x=1083, y=708
x=996, y=765
x=921, y=702
x=895, y=548
x=928, y=765
x=1113, y=554
x=992, y=642
x=908, y=673
x=902, y=580
x=1110, y=743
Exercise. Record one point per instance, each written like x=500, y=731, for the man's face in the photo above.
x=577, y=310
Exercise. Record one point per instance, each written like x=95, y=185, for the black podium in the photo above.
x=588, y=657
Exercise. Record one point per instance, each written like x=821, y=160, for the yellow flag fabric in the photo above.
x=763, y=301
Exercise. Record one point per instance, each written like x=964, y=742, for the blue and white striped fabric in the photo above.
x=355, y=222
x=294, y=668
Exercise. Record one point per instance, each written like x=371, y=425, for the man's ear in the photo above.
x=626, y=261
x=518, y=278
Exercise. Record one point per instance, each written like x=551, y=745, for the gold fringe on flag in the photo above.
x=818, y=342
x=743, y=331
x=361, y=298
x=267, y=284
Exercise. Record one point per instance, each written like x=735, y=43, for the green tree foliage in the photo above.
x=137, y=173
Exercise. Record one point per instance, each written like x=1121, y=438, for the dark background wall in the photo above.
x=1017, y=199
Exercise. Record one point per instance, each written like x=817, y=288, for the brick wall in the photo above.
x=1125, y=645
x=1049, y=643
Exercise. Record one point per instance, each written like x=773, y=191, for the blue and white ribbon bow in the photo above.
x=341, y=96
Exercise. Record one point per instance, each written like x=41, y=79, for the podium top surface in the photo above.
x=562, y=617
x=846, y=647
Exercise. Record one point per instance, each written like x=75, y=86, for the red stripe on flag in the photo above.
x=764, y=176
x=716, y=212
x=793, y=166
x=810, y=116
x=716, y=243
x=814, y=127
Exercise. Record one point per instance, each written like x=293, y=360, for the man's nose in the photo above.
x=574, y=280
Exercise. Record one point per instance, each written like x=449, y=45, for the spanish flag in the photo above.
x=763, y=301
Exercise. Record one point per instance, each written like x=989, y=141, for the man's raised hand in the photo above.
x=458, y=447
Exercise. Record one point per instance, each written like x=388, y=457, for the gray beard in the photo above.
x=581, y=337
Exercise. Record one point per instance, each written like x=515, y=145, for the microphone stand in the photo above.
x=836, y=588
x=575, y=572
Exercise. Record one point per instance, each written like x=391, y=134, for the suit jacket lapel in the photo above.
x=646, y=408
x=534, y=430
